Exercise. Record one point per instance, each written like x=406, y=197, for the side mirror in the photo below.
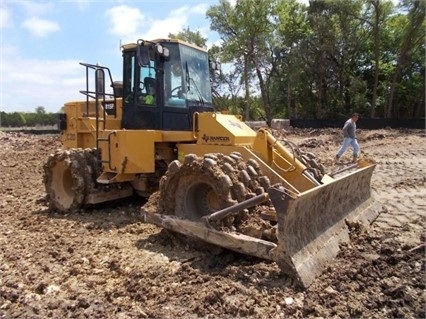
x=142, y=55
x=100, y=81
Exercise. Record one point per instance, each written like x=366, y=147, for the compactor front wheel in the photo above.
x=200, y=186
x=195, y=188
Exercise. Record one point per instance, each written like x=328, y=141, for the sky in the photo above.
x=43, y=42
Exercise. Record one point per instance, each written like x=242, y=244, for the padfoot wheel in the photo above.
x=68, y=177
x=202, y=185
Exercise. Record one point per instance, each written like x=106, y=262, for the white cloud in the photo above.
x=34, y=8
x=82, y=4
x=37, y=83
x=40, y=72
x=4, y=18
x=125, y=20
x=161, y=28
x=199, y=9
x=130, y=23
x=40, y=27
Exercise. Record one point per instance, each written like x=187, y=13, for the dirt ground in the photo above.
x=106, y=263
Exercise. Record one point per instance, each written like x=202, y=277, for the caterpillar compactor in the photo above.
x=211, y=176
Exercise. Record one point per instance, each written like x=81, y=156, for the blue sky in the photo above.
x=42, y=43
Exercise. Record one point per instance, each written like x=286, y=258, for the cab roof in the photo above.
x=129, y=46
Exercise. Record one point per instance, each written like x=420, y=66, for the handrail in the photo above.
x=195, y=125
x=100, y=97
x=108, y=139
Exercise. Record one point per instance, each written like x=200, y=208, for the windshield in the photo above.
x=186, y=76
x=196, y=74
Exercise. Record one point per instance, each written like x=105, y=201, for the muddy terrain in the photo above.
x=105, y=262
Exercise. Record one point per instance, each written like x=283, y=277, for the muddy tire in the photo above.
x=68, y=176
x=202, y=185
x=195, y=188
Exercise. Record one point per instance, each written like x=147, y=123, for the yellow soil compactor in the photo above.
x=214, y=178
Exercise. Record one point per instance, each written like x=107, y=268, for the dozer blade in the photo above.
x=233, y=241
x=312, y=224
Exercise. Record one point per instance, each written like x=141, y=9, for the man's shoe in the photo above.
x=337, y=159
x=354, y=159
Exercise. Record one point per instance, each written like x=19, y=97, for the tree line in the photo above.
x=323, y=60
x=28, y=119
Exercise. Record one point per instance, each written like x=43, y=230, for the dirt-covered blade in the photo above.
x=312, y=224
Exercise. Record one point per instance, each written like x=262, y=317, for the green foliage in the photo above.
x=15, y=119
x=323, y=60
x=247, y=33
x=40, y=110
x=190, y=36
x=22, y=119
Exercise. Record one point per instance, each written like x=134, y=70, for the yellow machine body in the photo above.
x=127, y=153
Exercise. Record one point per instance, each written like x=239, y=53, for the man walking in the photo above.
x=349, y=138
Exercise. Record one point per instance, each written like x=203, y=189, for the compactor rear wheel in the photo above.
x=68, y=176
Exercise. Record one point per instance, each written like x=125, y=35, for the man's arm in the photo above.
x=349, y=129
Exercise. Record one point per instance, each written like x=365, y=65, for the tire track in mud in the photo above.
x=399, y=184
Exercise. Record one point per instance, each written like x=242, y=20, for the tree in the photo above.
x=40, y=110
x=246, y=31
x=335, y=50
x=324, y=60
x=223, y=21
x=377, y=13
x=15, y=119
x=413, y=37
x=190, y=36
x=289, y=79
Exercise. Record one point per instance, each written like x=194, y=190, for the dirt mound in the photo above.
x=107, y=263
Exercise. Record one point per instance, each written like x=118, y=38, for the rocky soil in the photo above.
x=106, y=262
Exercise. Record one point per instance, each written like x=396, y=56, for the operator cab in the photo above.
x=164, y=83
